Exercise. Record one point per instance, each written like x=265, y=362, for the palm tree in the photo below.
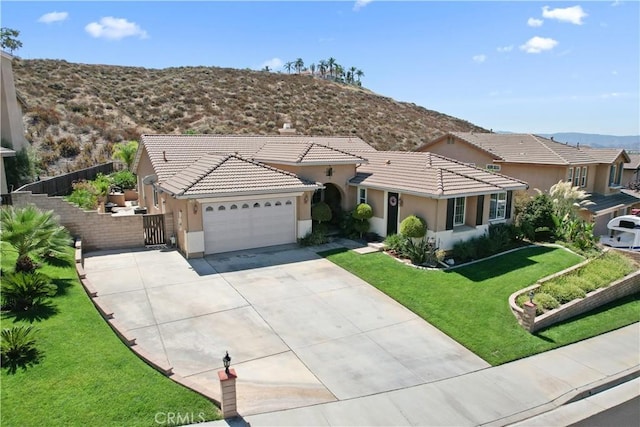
x=339, y=72
x=322, y=67
x=331, y=63
x=299, y=64
x=288, y=66
x=312, y=68
x=33, y=233
x=352, y=74
x=126, y=152
x=359, y=73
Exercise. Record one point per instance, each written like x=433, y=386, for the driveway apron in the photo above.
x=300, y=330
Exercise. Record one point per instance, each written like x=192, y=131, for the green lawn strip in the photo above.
x=87, y=375
x=470, y=303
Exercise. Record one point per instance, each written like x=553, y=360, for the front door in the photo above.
x=392, y=213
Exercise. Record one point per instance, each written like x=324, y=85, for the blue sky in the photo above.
x=521, y=66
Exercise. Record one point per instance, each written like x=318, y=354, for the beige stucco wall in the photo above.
x=340, y=177
x=375, y=199
x=303, y=206
x=460, y=151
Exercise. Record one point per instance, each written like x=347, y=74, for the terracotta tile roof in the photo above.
x=170, y=154
x=634, y=162
x=605, y=155
x=523, y=148
x=308, y=153
x=429, y=174
x=219, y=175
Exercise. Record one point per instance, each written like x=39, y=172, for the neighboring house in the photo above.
x=11, y=128
x=238, y=192
x=542, y=162
x=631, y=171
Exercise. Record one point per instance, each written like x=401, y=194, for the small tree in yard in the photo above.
x=413, y=227
x=362, y=213
x=126, y=151
x=321, y=212
x=19, y=348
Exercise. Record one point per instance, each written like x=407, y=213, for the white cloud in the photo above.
x=50, y=17
x=538, y=44
x=479, y=59
x=616, y=3
x=273, y=64
x=505, y=48
x=533, y=22
x=115, y=29
x=573, y=14
x=360, y=4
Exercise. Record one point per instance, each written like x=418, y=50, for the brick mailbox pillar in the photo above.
x=529, y=316
x=228, y=393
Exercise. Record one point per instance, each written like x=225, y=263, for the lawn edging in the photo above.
x=127, y=338
x=627, y=285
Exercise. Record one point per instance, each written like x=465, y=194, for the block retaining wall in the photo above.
x=97, y=230
x=628, y=285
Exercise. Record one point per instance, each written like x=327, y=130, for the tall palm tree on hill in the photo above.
x=299, y=64
x=288, y=66
x=322, y=67
x=359, y=73
x=331, y=63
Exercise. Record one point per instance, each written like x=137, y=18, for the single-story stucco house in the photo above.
x=230, y=193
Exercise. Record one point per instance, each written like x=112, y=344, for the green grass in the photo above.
x=87, y=375
x=470, y=303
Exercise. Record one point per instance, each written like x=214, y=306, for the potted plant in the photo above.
x=126, y=181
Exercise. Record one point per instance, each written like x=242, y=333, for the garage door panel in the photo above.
x=253, y=224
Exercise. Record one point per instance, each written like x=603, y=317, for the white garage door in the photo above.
x=233, y=226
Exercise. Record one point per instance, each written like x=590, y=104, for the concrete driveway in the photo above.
x=299, y=329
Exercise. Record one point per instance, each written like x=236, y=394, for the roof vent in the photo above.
x=287, y=129
x=388, y=162
x=164, y=155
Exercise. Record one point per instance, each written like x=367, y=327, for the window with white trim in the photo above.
x=576, y=177
x=498, y=206
x=612, y=175
x=458, y=211
x=583, y=183
x=362, y=195
x=570, y=175
x=494, y=168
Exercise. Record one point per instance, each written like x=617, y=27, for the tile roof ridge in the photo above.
x=215, y=166
x=305, y=151
x=338, y=150
x=474, y=167
x=481, y=147
x=538, y=139
x=265, y=166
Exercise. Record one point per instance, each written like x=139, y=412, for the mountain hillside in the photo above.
x=631, y=143
x=74, y=113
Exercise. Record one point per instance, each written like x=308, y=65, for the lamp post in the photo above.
x=226, y=360
x=531, y=294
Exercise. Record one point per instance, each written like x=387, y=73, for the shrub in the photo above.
x=502, y=235
x=21, y=291
x=315, y=237
x=544, y=302
x=362, y=212
x=396, y=243
x=413, y=226
x=68, y=146
x=124, y=179
x=321, y=212
x=19, y=348
x=563, y=292
x=465, y=250
x=84, y=195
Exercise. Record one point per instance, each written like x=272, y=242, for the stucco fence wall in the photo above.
x=628, y=285
x=97, y=230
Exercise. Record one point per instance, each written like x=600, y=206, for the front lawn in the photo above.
x=470, y=303
x=87, y=376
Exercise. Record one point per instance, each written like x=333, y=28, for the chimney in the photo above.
x=287, y=129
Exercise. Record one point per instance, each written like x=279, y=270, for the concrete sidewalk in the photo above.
x=502, y=395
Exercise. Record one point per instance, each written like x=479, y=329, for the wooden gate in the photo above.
x=153, y=229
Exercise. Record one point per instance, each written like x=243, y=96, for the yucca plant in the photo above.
x=21, y=291
x=19, y=348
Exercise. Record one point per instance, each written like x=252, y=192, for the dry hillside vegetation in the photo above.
x=74, y=113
